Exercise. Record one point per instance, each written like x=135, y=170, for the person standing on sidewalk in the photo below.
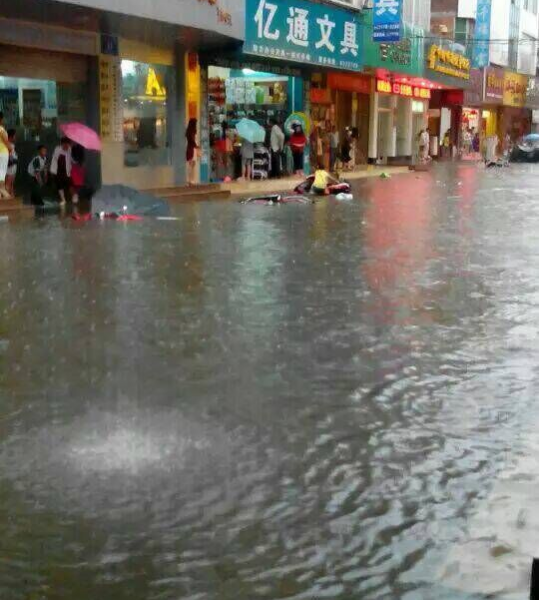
x=298, y=141
x=191, y=152
x=12, y=164
x=5, y=149
x=247, y=159
x=334, y=143
x=61, y=169
x=277, y=139
x=37, y=169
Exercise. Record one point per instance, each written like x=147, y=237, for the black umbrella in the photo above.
x=123, y=200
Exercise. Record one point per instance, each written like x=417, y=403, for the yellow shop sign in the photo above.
x=515, y=87
x=448, y=62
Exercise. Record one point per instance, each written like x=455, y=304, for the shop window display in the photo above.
x=145, y=105
x=35, y=108
x=235, y=94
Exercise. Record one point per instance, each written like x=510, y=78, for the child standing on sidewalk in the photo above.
x=37, y=169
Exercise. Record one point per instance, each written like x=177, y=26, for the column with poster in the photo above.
x=307, y=111
x=110, y=99
x=31, y=103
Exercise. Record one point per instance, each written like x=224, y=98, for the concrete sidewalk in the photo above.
x=268, y=186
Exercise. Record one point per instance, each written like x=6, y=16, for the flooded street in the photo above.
x=259, y=403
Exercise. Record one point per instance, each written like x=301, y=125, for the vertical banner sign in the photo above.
x=304, y=32
x=110, y=99
x=386, y=20
x=481, y=47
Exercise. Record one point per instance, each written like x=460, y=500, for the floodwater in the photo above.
x=257, y=403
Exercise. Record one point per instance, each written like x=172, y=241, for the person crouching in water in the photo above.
x=61, y=168
x=37, y=169
x=322, y=181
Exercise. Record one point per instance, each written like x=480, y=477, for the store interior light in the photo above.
x=248, y=71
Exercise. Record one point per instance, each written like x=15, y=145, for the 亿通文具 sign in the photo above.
x=305, y=32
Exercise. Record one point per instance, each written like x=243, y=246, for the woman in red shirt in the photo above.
x=298, y=141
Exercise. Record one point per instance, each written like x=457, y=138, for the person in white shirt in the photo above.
x=277, y=140
x=12, y=164
x=61, y=168
x=424, y=143
x=334, y=143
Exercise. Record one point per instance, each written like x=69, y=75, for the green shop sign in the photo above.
x=406, y=57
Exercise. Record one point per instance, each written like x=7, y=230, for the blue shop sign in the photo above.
x=304, y=32
x=481, y=47
x=387, y=20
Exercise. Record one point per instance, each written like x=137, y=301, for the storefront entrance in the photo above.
x=38, y=92
x=234, y=94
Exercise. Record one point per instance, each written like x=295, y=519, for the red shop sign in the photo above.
x=402, y=89
x=349, y=83
x=320, y=96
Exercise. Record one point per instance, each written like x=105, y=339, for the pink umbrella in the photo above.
x=82, y=135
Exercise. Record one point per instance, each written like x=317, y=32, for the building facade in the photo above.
x=127, y=68
x=504, y=35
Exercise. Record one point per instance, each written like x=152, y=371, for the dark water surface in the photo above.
x=259, y=403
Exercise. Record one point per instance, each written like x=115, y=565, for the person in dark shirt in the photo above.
x=37, y=169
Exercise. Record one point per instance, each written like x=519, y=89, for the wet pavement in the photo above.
x=259, y=403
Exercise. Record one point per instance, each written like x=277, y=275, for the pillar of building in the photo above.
x=178, y=116
x=373, y=127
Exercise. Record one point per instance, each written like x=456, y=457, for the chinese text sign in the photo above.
x=301, y=31
x=387, y=18
x=481, y=48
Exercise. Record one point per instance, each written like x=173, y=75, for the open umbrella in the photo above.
x=532, y=137
x=298, y=118
x=251, y=131
x=122, y=200
x=82, y=135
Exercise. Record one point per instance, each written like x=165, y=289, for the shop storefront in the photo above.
x=137, y=95
x=515, y=118
x=472, y=122
x=401, y=94
x=247, y=88
x=451, y=72
x=401, y=113
x=289, y=50
x=492, y=101
x=532, y=102
x=352, y=101
x=45, y=86
x=137, y=89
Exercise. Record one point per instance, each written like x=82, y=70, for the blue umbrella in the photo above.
x=251, y=131
x=532, y=137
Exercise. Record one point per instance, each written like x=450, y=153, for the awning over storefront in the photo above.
x=225, y=17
